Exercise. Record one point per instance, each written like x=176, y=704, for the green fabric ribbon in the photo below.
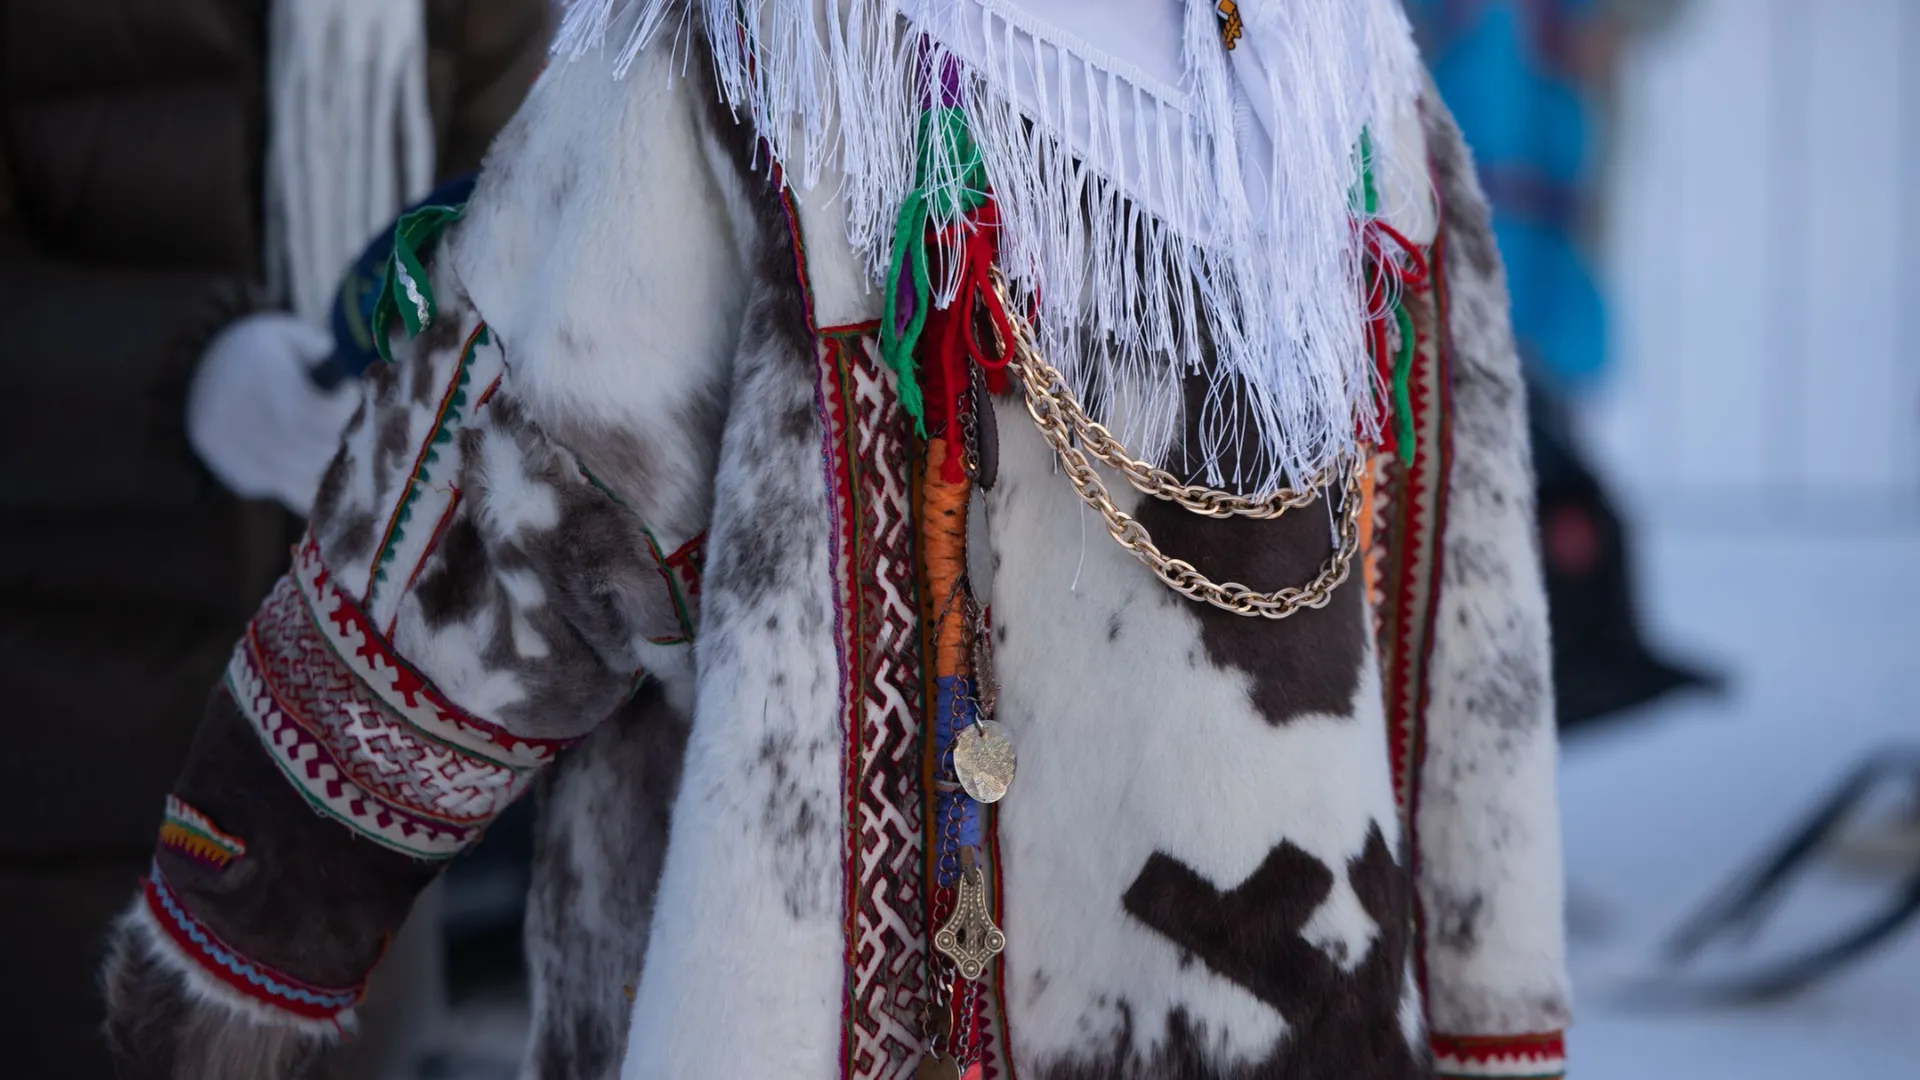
x=926, y=205
x=405, y=292
x=1399, y=392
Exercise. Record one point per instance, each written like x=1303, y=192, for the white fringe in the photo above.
x=351, y=139
x=1133, y=212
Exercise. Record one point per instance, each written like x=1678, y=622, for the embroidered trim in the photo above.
x=445, y=416
x=251, y=978
x=1509, y=1057
x=1403, y=567
x=867, y=453
x=187, y=832
x=361, y=734
x=350, y=634
x=454, y=498
x=1412, y=515
x=679, y=572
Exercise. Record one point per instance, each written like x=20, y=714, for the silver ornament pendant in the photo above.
x=983, y=760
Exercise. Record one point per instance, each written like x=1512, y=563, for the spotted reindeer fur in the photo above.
x=1203, y=856
x=1206, y=873
x=1489, y=824
x=604, y=810
x=513, y=570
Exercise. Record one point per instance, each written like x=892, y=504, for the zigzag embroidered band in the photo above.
x=359, y=732
x=257, y=981
x=1513, y=1057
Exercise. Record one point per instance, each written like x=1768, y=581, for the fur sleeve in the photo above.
x=471, y=598
x=1488, y=823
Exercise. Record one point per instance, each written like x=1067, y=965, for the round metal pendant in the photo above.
x=937, y=1068
x=983, y=758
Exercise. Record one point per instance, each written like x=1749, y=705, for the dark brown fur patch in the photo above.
x=1306, y=663
x=346, y=894
x=1341, y=1026
x=456, y=585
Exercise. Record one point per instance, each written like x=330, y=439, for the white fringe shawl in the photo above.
x=1134, y=210
x=351, y=140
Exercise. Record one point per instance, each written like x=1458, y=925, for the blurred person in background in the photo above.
x=1531, y=82
x=182, y=182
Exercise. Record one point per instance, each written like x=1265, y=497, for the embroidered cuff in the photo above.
x=363, y=736
x=1513, y=1057
x=205, y=951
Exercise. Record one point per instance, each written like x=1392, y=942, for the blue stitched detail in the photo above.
x=213, y=949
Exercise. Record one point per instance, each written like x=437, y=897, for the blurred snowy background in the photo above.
x=1760, y=423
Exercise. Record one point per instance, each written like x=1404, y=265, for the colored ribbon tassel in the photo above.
x=951, y=344
x=406, y=293
x=1388, y=281
x=949, y=210
x=942, y=521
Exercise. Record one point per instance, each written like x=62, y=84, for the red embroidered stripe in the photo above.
x=360, y=733
x=449, y=411
x=257, y=981
x=363, y=649
x=1512, y=1057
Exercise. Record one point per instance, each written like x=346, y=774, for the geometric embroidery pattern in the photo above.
x=869, y=453
x=216, y=958
x=366, y=738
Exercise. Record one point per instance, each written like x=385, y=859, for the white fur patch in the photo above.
x=1127, y=749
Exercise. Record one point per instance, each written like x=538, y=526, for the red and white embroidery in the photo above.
x=365, y=737
x=1513, y=1057
x=868, y=452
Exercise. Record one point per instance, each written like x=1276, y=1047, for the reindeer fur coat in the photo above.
x=625, y=525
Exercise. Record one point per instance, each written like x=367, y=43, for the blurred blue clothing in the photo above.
x=352, y=322
x=1506, y=69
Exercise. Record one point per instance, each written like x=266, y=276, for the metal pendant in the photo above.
x=983, y=760
x=970, y=939
x=986, y=438
x=979, y=548
x=935, y=1067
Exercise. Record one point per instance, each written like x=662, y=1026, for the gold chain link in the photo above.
x=1078, y=440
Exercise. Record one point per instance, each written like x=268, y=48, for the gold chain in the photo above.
x=1076, y=438
x=1148, y=479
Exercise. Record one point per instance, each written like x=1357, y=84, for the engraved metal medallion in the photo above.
x=983, y=759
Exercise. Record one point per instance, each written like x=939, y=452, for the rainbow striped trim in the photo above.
x=187, y=832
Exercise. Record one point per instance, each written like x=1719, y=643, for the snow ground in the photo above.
x=1820, y=637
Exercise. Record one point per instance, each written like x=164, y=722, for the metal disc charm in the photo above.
x=933, y=1067
x=983, y=760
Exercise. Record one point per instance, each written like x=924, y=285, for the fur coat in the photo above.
x=628, y=523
